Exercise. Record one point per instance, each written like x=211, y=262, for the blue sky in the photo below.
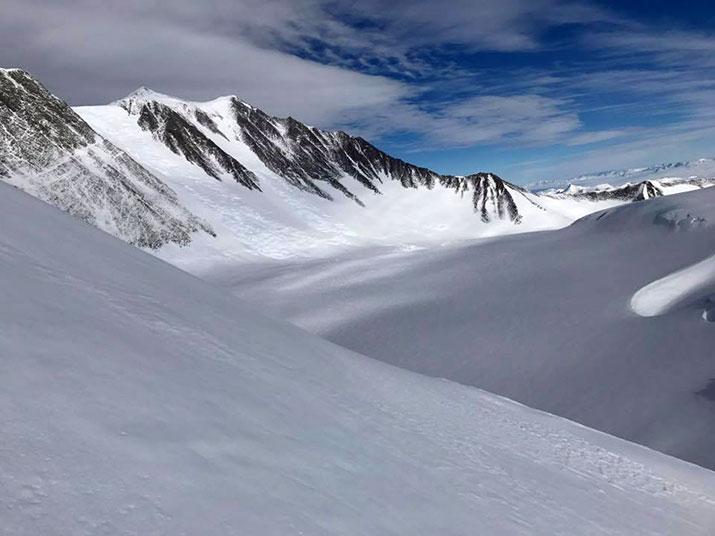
x=527, y=89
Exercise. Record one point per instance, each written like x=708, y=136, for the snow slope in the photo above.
x=543, y=318
x=137, y=399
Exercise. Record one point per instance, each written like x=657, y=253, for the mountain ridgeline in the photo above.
x=184, y=138
x=313, y=160
x=99, y=171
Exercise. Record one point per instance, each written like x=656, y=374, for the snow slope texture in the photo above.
x=137, y=399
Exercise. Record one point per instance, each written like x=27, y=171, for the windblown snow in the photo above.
x=137, y=399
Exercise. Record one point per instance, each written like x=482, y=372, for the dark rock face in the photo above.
x=490, y=196
x=36, y=126
x=305, y=156
x=47, y=150
x=183, y=138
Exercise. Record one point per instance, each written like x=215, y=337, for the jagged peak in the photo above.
x=18, y=74
x=144, y=95
x=13, y=69
x=141, y=96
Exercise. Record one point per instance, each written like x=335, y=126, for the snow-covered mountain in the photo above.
x=47, y=150
x=274, y=187
x=286, y=189
x=321, y=162
x=130, y=408
x=543, y=318
x=629, y=192
x=142, y=167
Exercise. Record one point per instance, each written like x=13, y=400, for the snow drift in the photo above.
x=695, y=283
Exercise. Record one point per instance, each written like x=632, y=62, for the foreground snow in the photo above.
x=543, y=318
x=137, y=399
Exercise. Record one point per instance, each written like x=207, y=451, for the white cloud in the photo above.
x=107, y=49
x=93, y=58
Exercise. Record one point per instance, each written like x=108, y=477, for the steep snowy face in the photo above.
x=47, y=150
x=130, y=408
x=324, y=163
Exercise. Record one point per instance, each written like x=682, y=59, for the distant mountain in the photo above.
x=696, y=172
x=629, y=192
x=47, y=150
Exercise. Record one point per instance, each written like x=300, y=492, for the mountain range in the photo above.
x=695, y=172
x=226, y=179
